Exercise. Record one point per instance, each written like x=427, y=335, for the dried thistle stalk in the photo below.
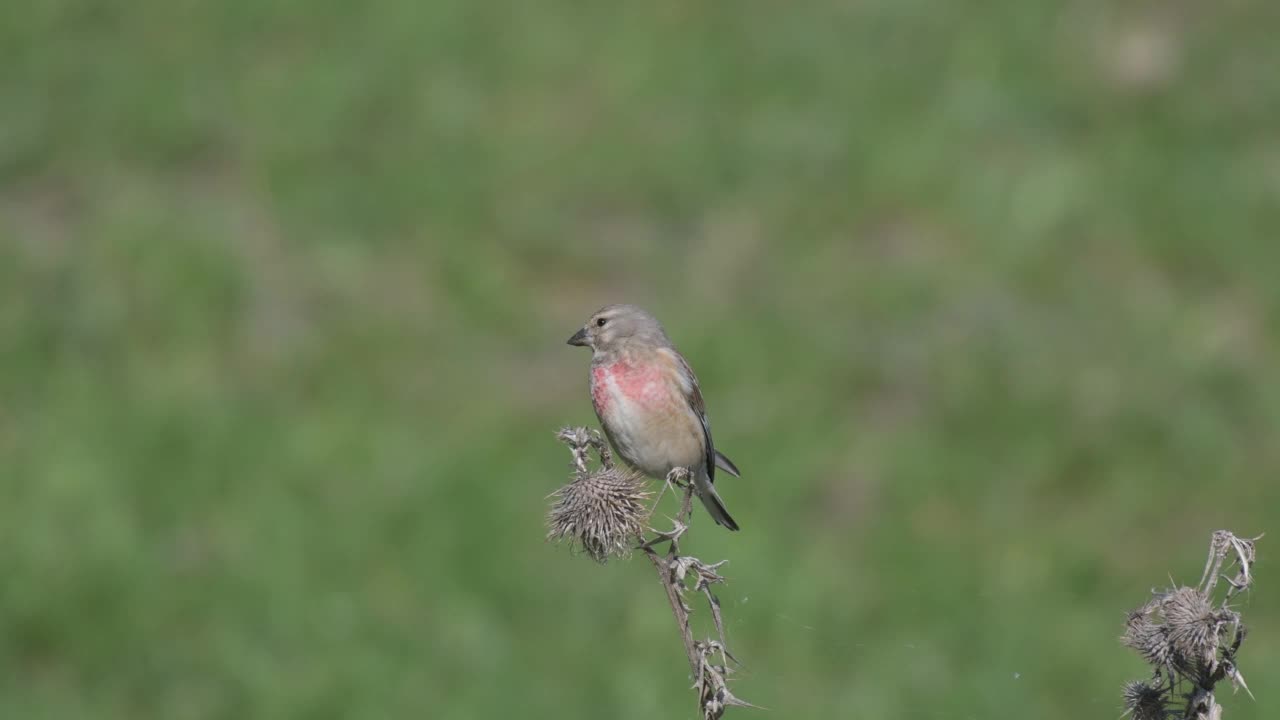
x=603, y=513
x=1191, y=640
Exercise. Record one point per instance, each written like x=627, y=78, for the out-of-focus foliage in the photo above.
x=983, y=299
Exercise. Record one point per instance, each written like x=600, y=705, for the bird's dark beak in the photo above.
x=579, y=338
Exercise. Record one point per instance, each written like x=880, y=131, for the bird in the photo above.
x=649, y=403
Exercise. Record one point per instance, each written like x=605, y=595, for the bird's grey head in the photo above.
x=615, y=327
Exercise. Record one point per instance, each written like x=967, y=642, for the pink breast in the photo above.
x=600, y=388
x=639, y=384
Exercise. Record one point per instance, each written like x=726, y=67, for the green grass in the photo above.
x=983, y=302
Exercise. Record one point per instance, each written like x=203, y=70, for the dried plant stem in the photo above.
x=673, y=569
x=666, y=576
x=598, y=512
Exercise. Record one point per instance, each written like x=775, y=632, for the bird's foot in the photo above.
x=679, y=477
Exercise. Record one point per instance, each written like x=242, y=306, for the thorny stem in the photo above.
x=713, y=602
x=710, y=682
x=709, y=679
x=666, y=574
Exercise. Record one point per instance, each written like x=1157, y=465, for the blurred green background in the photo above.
x=985, y=301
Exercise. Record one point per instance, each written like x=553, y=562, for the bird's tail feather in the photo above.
x=715, y=506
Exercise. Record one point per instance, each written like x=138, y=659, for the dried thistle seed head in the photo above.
x=1147, y=637
x=1139, y=617
x=1192, y=627
x=1146, y=701
x=604, y=513
x=1184, y=606
x=1177, y=629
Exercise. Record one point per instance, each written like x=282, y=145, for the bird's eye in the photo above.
x=601, y=322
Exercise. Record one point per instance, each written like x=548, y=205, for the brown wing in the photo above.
x=689, y=384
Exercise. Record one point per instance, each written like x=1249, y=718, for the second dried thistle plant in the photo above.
x=1190, y=639
x=605, y=513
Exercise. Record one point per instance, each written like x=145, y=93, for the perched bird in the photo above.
x=648, y=401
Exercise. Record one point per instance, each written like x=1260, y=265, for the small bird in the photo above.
x=648, y=401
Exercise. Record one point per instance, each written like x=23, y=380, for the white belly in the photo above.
x=651, y=435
